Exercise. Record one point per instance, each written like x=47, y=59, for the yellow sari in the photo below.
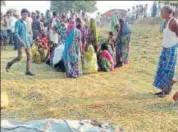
x=90, y=61
x=36, y=57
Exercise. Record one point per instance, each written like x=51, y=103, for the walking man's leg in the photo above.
x=28, y=65
x=18, y=58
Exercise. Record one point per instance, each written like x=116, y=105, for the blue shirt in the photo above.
x=21, y=32
x=126, y=28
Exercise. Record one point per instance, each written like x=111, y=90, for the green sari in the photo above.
x=114, y=21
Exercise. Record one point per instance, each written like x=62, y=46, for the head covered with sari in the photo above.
x=93, y=29
x=69, y=37
x=90, y=53
x=71, y=26
x=108, y=59
x=114, y=21
x=90, y=61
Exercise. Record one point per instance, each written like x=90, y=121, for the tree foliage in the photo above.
x=3, y=3
x=65, y=6
x=167, y=1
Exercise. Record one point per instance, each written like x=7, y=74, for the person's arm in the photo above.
x=39, y=27
x=4, y=22
x=17, y=29
x=32, y=25
x=11, y=23
x=174, y=26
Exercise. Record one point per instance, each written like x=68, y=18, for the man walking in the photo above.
x=22, y=37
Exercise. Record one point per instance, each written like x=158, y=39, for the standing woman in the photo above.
x=72, y=51
x=123, y=43
x=166, y=72
x=114, y=22
x=93, y=34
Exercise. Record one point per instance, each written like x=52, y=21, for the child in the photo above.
x=106, y=61
x=111, y=40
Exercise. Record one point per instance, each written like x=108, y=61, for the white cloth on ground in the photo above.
x=53, y=125
x=58, y=53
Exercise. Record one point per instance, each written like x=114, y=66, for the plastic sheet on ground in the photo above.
x=53, y=125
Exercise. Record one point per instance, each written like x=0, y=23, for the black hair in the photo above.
x=78, y=20
x=54, y=14
x=63, y=16
x=24, y=11
x=43, y=34
x=168, y=9
x=104, y=46
x=37, y=17
x=111, y=33
x=121, y=21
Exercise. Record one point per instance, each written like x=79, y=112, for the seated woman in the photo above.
x=90, y=61
x=40, y=49
x=106, y=62
x=35, y=53
x=50, y=54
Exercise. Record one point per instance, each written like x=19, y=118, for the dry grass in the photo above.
x=123, y=97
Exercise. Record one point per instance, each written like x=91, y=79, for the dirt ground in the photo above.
x=124, y=96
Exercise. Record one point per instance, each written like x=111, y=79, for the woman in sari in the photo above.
x=80, y=26
x=123, y=43
x=40, y=49
x=90, y=61
x=114, y=21
x=93, y=34
x=72, y=51
x=106, y=61
x=60, y=28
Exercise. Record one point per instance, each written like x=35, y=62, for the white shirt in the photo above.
x=53, y=35
x=14, y=20
x=128, y=14
x=98, y=17
x=170, y=38
x=25, y=22
x=133, y=13
x=8, y=20
x=29, y=25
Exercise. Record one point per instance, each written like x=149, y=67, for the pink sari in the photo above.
x=108, y=57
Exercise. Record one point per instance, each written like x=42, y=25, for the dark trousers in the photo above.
x=10, y=37
x=19, y=57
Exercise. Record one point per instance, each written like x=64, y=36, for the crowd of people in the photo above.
x=138, y=11
x=141, y=11
x=68, y=44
